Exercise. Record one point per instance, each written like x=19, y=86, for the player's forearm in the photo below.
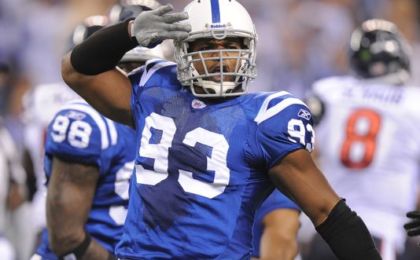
x=61, y=241
x=279, y=239
x=100, y=52
x=347, y=235
x=281, y=249
x=109, y=92
x=66, y=237
x=75, y=244
x=69, y=199
x=65, y=231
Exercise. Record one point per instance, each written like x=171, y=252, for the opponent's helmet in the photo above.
x=377, y=49
x=127, y=9
x=217, y=19
x=86, y=28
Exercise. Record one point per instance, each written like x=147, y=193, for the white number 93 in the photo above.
x=160, y=153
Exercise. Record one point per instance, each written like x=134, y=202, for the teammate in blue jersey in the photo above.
x=88, y=163
x=276, y=224
x=89, y=160
x=207, y=152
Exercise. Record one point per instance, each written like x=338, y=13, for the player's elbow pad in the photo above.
x=103, y=50
x=347, y=235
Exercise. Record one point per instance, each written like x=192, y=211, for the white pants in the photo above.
x=7, y=251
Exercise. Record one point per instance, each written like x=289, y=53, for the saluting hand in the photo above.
x=152, y=27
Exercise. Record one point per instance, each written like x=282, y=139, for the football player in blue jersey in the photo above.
x=88, y=163
x=276, y=224
x=207, y=152
x=89, y=160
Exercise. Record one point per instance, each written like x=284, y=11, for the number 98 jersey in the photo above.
x=81, y=135
x=201, y=166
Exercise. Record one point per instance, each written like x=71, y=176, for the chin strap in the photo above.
x=220, y=89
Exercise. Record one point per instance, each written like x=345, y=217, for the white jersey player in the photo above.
x=368, y=134
x=12, y=183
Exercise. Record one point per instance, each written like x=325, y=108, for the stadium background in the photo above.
x=299, y=40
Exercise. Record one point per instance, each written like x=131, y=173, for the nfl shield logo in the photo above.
x=198, y=104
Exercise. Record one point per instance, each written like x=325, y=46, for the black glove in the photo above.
x=413, y=227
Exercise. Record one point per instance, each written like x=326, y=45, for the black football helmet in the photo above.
x=377, y=49
x=127, y=9
x=86, y=28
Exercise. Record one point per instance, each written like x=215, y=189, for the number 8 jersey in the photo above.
x=81, y=135
x=201, y=166
x=369, y=147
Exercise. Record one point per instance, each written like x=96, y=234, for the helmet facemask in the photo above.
x=219, y=79
x=209, y=71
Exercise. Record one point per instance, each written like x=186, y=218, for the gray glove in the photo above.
x=152, y=27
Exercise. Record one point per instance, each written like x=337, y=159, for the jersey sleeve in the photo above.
x=284, y=124
x=276, y=200
x=79, y=134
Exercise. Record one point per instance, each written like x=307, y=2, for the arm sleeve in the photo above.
x=347, y=235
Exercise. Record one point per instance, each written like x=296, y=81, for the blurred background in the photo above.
x=300, y=41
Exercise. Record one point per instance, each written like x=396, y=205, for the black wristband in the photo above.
x=103, y=50
x=79, y=251
x=347, y=235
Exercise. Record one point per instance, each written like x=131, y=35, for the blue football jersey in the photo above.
x=276, y=200
x=201, y=166
x=80, y=134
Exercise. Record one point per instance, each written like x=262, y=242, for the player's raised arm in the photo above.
x=339, y=226
x=90, y=68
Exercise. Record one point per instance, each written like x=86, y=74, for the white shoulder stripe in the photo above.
x=99, y=120
x=264, y=106
x=112, y=131
x=148, y=74
x=265, y=113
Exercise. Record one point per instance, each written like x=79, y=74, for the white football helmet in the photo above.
x=217, y=19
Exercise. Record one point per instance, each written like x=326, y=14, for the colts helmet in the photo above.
x=378, y=50
x=217, y=19
x=86, y=28
x=127, y=9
